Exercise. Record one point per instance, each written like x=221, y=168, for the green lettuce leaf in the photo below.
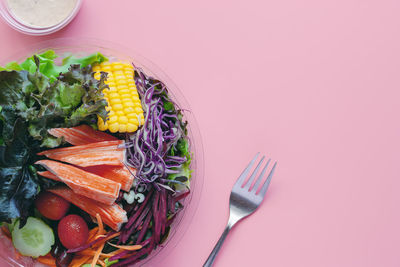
x=183, y=176
x=48, y=65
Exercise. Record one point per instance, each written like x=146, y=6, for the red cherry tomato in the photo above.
x=73, y=231
x=51, y=206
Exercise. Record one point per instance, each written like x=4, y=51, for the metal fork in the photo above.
x=244, y=199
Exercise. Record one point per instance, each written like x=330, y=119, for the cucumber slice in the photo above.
x=34, y=239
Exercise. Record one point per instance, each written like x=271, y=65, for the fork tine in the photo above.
x=243, y=176
x=268, y=181
x=259, y=179
x=253, y=175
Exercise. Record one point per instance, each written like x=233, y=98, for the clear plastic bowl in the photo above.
x=81, y=47
x=20, y=26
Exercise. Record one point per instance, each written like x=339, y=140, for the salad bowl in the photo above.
x=81, y=47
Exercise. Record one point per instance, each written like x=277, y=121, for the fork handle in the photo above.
x=209, y=262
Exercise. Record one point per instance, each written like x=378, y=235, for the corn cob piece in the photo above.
x=124, y=106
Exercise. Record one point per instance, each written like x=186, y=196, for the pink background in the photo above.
x=313, y=84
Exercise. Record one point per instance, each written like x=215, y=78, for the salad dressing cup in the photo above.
x=39, y=17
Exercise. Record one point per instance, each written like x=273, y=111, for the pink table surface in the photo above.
x=313, y=84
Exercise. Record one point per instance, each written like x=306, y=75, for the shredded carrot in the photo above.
x=87, y=252
x=77, y=262
x=134, y=247
x=100, y=223
x=102, y=263
x=47, y=260
x=97, y=255
x=18, y=255
x=107, y=238
x=6, y=231
x=92, y=234
x=115, y=252
x=112, y=236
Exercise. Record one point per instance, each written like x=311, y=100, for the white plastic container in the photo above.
x=20, y=25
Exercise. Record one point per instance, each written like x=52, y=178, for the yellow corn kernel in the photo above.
x=121, y=82
x=123, y=87
x=129, y=72
x=123, y=120
x=122, y=128
x=119, y=113
x=112, y=89
x=124, y=91
x=128, y=104
x=134, y=121
x=113, y=127
x=135, y=98
x=117, y=107
x=129, y=110
x=115, y=101
x=112, y=119
x=117, y=66
x=131, y=115
x=113, y=95
x=131, y=127
x=100, y=123
x=96, y=68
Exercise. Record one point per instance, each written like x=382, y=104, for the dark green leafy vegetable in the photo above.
x=18, y=181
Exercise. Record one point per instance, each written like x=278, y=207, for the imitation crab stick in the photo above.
x=49, y=175
x=112, y=215
x=114, y=173
x=83, y=182
x=81, y=135
x=100, y=153
x=119, y=174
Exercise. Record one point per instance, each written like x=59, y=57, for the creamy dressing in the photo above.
x=41, y=13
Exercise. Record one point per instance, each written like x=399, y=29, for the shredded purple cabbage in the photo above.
x=148, y=148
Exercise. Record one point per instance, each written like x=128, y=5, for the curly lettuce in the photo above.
x=75, y=97
x=49, y=68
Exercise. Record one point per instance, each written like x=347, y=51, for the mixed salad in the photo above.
x=94, y=160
